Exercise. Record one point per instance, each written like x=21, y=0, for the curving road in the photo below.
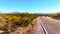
x=50, y=25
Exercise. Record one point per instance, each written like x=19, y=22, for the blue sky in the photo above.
x=30, y=6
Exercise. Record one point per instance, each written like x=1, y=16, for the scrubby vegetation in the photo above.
x=54, y=15
x=8, y=22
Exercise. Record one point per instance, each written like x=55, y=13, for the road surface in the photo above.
x=51, y=26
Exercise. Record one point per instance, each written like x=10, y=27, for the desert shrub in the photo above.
x=1, y=27
x=17, y=20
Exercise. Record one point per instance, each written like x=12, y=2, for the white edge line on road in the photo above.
x=45, y=31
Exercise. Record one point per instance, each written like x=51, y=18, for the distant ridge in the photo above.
x=29, y=13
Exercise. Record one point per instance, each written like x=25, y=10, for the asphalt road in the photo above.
x=51, y=26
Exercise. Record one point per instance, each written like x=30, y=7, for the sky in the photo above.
x=30, y=6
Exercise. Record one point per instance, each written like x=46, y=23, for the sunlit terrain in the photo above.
x=15, y=23
x=29, y=16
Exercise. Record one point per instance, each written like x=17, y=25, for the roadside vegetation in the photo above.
x=9, y=22
x=54, y=15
